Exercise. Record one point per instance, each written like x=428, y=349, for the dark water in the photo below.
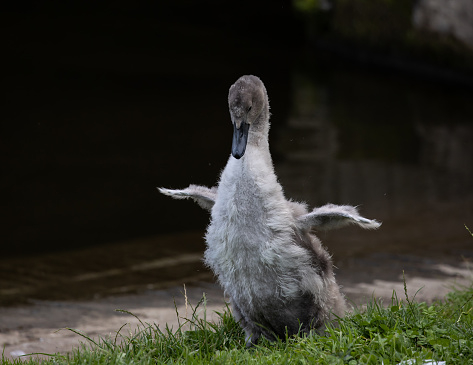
x=81, y=216
x=400, y=148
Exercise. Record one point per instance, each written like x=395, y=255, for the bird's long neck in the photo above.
x=258, y=152
x=259, y=140
x=259, y=131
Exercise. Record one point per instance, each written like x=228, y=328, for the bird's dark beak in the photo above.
x=240, y=137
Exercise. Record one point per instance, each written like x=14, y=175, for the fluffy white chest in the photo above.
x=250, y=209
x=250, y=236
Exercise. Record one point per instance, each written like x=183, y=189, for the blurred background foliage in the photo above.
x=436, y=32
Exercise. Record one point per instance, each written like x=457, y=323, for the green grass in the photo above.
x=403, y=330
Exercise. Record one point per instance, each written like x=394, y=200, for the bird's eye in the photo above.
x=249, y=109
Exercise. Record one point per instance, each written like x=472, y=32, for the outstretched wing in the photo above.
x=202, y=195
x=332, y=216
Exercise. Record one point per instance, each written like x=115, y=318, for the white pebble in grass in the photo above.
x=17, y=353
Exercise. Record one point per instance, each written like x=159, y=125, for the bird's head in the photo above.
x=249, y=111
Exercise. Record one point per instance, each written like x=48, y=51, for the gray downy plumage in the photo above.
x=277, y=274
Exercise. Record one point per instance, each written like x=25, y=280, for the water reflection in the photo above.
x=377, y=143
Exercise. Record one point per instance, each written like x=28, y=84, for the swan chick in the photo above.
x=260, y=245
